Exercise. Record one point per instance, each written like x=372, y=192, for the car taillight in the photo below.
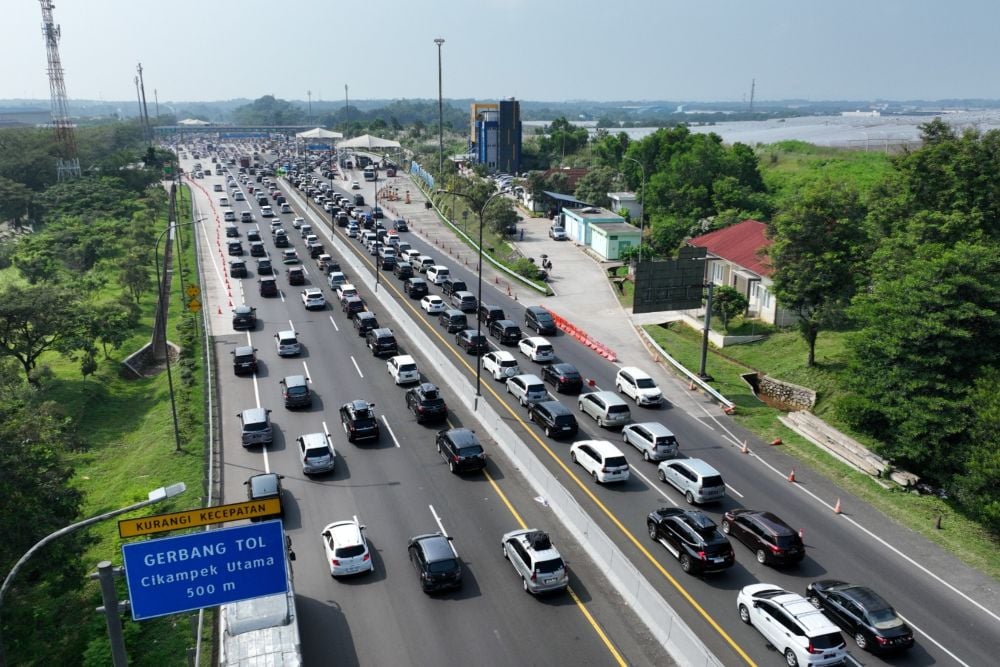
x=701, y=555
x=534, y=576
x=334, y=562
x=774, y=548
x=367, y=557
x=882, y=640
x=420, y=408
x=456, y=458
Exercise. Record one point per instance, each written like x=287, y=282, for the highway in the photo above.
x=398, y=488
x=393, y=497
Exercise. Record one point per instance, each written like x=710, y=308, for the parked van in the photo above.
x=601, y=459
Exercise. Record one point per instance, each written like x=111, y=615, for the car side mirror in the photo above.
x=326, y=533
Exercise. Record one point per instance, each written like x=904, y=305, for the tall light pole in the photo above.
x=439, y=41
x=479, y=293
x=642, y=198
x=378, y=262
x=347, y=114
x=155, y=496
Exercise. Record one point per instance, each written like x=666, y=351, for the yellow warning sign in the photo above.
x=193, y=291
x=194, y=305
x=162, y=523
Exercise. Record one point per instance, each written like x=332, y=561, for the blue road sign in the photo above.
x=174, y=574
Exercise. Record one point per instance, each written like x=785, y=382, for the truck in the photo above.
x=244, y=161
x=262, y=631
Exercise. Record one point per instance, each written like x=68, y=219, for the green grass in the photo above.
x=783, y=356
x=789, y=165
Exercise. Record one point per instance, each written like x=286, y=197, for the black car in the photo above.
x=556, y=419
x=244, y=317
x=539, y=319
x=461, y=449
x=365, y=321
x=401, y=226
x=263, y=486
x=295, y=392
x=281, y=241
x=244, y=360
x=257, y=249
x=253, y=235
x=772, y=540
x=437, y=565
x=564, y=377
x=402, y=270
x=426, y=402
x=264, y=267
x=692, y=537
x=472, y=341
x=237, y=268
x=415, y=287
x=450, y=286
x=358, y=420
x=267, y=287
x=863, y=613
x=235, y=248
x=506, y=331
x=352, y=305
x=381, y=341
x=296, y=276
x=453, y=320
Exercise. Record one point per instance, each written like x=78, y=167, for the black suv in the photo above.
x=692, y=537
x=472, y=341
x=235, y=248
x=244, y=360
x=426, y=402
x=257, y=249
x=264, y=267
x=244, y=317
x=772, y=540
x=267, y=286
x=415, y=287
x=564, y=377
x=296, y=276
x=365, y=321
x=358, y=419
x=381, y=341
x=402, y=270
x=437, y=565
x=461, y=449
x=556, y=419
x=237, y=268
x=453, y=320
x=490, y=313
x=352, y=305
x=401, y=225
x=450, y=286
x=506, y=331
x=539, y=319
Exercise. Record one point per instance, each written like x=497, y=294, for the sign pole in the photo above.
x=106, y=575
x=704, y=337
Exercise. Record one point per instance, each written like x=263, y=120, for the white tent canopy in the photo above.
x=193, y=121
x=369, y=142
x=319, y=133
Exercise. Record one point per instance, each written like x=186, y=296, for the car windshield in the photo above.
x=549, y=566
x=645, y=383
x=349, y=552
x=441, y=566
x=317, y=453
x=543, y=349
x=298, y=391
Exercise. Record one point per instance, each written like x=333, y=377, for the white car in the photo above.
x=355, y=185
x=346, y=548
x=638, y=385
x=336, y=278
x=285, y=208
x=346, y=290
x=313, y=299
x=316, y=453
x=501, y=364
x=297, y=222
x=403, y=369
x=287, y=343
x=352, y=230
x=792, y=625
x=433, y=304
x=437, y=274
x=537, y=348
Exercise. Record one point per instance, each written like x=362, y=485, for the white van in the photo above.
x=437, y=274
x=601, y=459
x=224, y=201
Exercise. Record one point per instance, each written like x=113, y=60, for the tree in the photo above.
x=37, y=319
x=820, y=247
x=563, y=139
x=609, y=148
x=728, y=302
x=135, y=277
x=14, y=199
x=595, y=185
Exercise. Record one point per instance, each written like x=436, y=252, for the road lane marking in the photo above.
x=734, y=490
x=358, y=368
x=389, y=428
x=281, y=293
x=308, y=376
x=291, y=326
x=654, y=486
x=334, y=323
x=443, y=531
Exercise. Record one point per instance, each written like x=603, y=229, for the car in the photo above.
x=555, y=418
x=381, y=341
x=402, y=270
x=345, y=290
x=234, y=248
x=465, y=301
x=692, y=538
x=358, y=420
x=426, y=402
x=601, y=459
x=351, y=305
x=436, y=562
x=316, y=453
x=472, y=341
x=461, y=449
x=437, y=273
x=433, y=304
x=313, y=299
x=564, y=377
x=296, y=275
x=237, y=268
x=352, y=230
x=255, y=427
x=285, y=208
x=403, y=369
x=638, y=385
x=606, y=408
x=246, y=216
x=364, y=322
x=423, y=263
x=863, y=614
x=298, y=222
x=653, y=439
x=287, y=343
x=267, y=286
x=537, y=349
x=539, y=319
x=265, y=210
x=506, y=331
x=305, y=230
x=289, y=256
x=698, y=481
x=244, y=317
x=281, y=240
x=400, y=225
x=415, y=287
x=451, y=285
x=244, y=360
x=257, y=248
x=264, y=267
x=527, y=389
x=453, y=320
x=229, y=216
x=217, y=187
x=536, y=561
x=346, y=548
x=557, y=233
x=355, y=185
x=793, y=626
x=295, y=391
x=264, y=486
x=500, y=364
x=253, y=236
x=772, y=540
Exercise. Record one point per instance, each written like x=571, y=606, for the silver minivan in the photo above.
x=606, y=407
x=698, y=481
x=527, y=389
x=653, y=439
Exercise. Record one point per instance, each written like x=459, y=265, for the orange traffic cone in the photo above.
x=791, y=475
x=836, y=508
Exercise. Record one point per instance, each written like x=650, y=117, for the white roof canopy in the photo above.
x=369, y=142
x=319, y=133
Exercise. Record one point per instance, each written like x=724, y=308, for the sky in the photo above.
x=538, y=50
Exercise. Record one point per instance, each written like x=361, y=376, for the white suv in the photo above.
x=501, y=364
x=313, y=299
x=601, y=459
x=791, y=625
x=638, y=385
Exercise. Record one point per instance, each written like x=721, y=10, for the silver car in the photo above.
x=316, y=453
x=535, y=560
x=606, y=407
x=653, y=439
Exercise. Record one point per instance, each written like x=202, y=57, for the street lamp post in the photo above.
x=155, y=496
x=479, y=321
x=374, y=225
x=439, y=41
x=642, y=198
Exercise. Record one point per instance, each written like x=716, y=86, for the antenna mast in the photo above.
x=67, y=166
x=753, y=89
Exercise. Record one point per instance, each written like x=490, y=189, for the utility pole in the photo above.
x=310, y=94
x=68, y=163
x=439, y=41
x=347, y=114
x=753, y=89
x=145, y=111
x=156, y=98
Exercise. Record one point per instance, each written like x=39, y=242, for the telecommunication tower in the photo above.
x=68, y=165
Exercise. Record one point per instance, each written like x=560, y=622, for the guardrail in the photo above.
x=728, y=406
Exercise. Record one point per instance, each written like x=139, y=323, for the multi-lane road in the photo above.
x=401, y=487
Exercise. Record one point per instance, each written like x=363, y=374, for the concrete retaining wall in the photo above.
x=787, y=393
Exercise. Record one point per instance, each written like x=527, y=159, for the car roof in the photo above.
x=314, y=440
x=358, y=404
x=381, y=332
x=634, y=372
x=811, y=618
x=655, y=428
x=264, y=483
x=865, y=597
x=503, y=355
x=609, y=397
x=462, y=437
x=536, y=340
x=524, y=536
x=345, y=533
x=243, y=309
x=564, y=367
x=295, y=380
x=435, y=546
x=528, y=378
x=254, y=415
x=403, y=359
x=288, y=333
x=313, y=290
x=555, y=408
x=537, y=310
x=698, y=467
x=243, y=350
